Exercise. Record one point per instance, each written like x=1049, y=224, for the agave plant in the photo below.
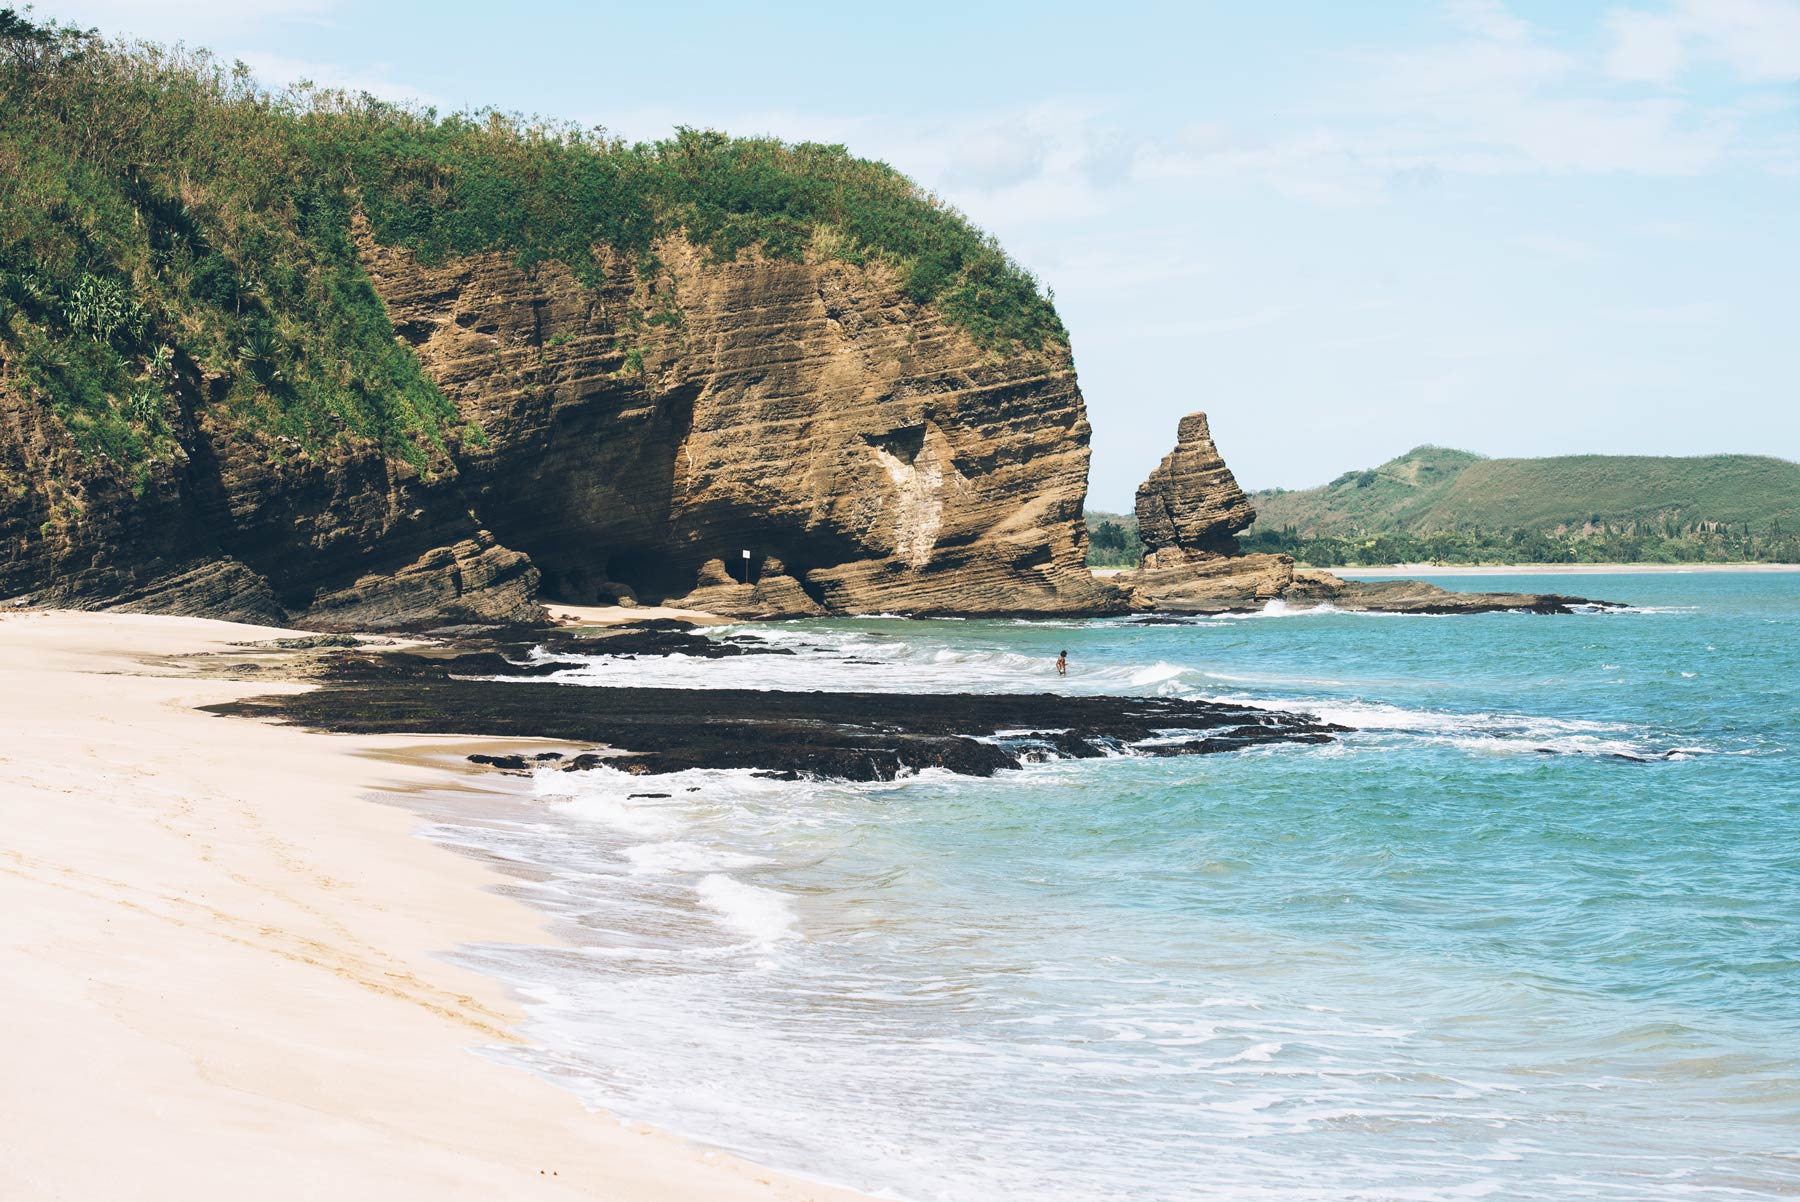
x=261, y=353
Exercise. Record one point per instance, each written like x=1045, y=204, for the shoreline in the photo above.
x=231, y=960
x=1520, y=569
x=1558, y=569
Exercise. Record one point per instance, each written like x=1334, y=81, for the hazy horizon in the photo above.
x=1522, y=229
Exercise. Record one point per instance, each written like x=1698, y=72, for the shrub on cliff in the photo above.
x=169, y=229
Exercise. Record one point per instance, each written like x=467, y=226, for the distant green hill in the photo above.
x=1113, y=540
x=1432, y=489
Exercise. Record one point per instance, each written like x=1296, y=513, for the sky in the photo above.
x=1342, y=229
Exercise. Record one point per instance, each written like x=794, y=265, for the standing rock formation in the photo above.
x=1190, y=511
x=1191, y=507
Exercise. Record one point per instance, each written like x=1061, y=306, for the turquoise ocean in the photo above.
x=1531, y=931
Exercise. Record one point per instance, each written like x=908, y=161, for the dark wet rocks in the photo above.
x=658, y=637
x=843, y=736
x=434, y=665
x=305, y=642
x=509, y=763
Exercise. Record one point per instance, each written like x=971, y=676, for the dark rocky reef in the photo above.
x=1190, y=512
x=840, y=736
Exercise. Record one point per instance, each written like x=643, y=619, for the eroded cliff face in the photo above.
x=245, y=529
x=641, y=436
x=634, y=440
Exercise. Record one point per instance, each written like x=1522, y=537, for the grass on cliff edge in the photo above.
x=163, y=218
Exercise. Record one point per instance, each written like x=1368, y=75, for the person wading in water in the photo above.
x=1062, y=664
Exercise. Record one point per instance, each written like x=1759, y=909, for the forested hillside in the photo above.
x=1438, y=504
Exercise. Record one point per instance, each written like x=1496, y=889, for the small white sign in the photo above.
x=746, y=555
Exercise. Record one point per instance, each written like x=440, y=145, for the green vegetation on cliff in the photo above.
x=171, y=234
x=1435, y=504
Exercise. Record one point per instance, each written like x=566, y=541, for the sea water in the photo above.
x=1531, y=931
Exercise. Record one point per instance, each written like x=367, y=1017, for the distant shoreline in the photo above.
x=1557, y=569
x=1523, y=569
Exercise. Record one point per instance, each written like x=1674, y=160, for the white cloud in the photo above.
x=1690, y=315
x=1502, y=102
x=1646, y=47
x=1488, y=18
x=1551, y=246
x=1223, y=323
x=276, y=71
x=1758, y=40
x=198, y=22
x=997, y=156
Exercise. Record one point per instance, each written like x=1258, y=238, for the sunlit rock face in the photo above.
x=630, y=440
x=641, y=436
x=1191, y=508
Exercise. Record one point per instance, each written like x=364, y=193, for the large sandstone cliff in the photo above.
x=631, y=440
x=869, y=456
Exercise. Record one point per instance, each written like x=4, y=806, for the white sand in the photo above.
x=615, y=615
x=218, y=972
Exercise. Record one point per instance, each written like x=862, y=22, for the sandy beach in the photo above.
x=222, y=956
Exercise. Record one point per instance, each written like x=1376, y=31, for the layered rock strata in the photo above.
x=247, y=529
x=643, y=436
x=628, y=441
x=1191, y=509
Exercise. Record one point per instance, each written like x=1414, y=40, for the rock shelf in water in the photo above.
x=841, y=736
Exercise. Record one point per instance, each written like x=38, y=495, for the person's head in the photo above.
x=1062, y=655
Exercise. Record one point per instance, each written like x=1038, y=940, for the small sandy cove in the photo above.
x=219, y=972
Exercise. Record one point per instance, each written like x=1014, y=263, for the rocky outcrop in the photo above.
x=626, y=441
x=789, y=733
x=643, y=435
x=1246, y=583
x=245, y=529
x=1190, y=511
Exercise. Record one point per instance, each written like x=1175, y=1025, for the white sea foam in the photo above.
x=678, y=856
x=761, y=914
x=628, y=816
x=1157, y=673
